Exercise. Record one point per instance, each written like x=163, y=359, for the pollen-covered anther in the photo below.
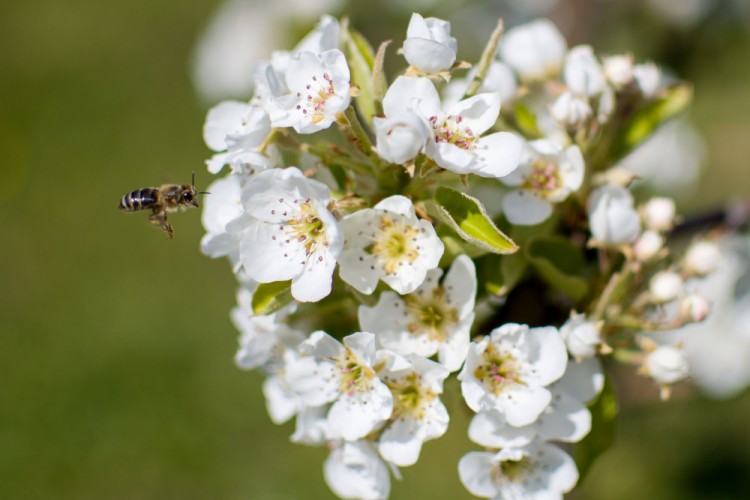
x=394, y=244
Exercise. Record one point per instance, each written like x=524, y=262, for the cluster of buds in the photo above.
x=380, y=233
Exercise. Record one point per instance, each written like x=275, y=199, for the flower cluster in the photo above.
x=380, y=232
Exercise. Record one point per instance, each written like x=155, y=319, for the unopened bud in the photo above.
x=667, y=365
x=694, y=308
x=658, y=214
x=619, y=69
x=702, y=258
x=665, y=286
x=581, y=337
x=648, y=245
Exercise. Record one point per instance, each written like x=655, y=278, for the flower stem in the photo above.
x=484, y=63
x=354, y=131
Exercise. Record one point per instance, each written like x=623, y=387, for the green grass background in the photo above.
x=116, y=372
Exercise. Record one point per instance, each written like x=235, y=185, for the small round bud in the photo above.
x=619, y=69
x=581, y=337
x=648, y=78
x=665, y=286
x=694, y=308
x=667, y=365
x=658, y=214
x=702, y=258
x=647, y=245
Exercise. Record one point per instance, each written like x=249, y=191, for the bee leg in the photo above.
x=160, y=219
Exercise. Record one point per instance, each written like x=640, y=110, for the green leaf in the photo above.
x=647, y=119
x=526, y=120
x=499, y=274
x=270, y=297
x=559, y=263
x=379, y=82
x=467, y=217
x=361, y=60
x=603, y=422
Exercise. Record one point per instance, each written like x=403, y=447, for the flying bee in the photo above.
x=162, y=200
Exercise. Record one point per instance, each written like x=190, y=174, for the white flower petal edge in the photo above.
x=354, y=470
x=428, y=45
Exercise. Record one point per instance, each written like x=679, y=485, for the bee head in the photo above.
x=189, y=196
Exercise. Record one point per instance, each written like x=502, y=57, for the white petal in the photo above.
x=418, y=94
x=547, y=354
x=567, y=420
x=478, y=112
x=222, y=120
x=353, y=417
x=315, y=281
x=281, y=402
x=428, y=55
x=582, y=381
x=522, y=406
x=354, y=471
x=310, y=426
x=498, y=154
x=475, y=469
x=525, y=208
x=401, y=442
x=397, y=204
x=491, y=430
x=266, y=259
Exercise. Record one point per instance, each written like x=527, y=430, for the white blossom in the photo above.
x=342, y=374
x=649, y=79
x=388, y=242
x=289, y=233
x=612, y=218
x=221, y=208
x=429, y=46
x=318, y=89
x=648, y=245
x=456, y=142
x=619, y=69
x=535, y=50
x=418, y=414
x=539, y=471
x=236, y=130
x=434, y=319
x=509, y=371
x=354, y=471
x=694, y=308
x=546, y=174
x=582, y=73
x=572, y=110
x=565, y=419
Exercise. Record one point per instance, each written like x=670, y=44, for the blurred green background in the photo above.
x=116, y=371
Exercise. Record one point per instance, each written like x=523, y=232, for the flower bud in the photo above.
x=581, y=337
x=648, y=78
x=667, y=365
x=612, y=219
x=571, y=110
x=582, y=73
x=702, y=258
x=658, y=214
x=694, y=308
x=535, y=50
x=665, y=286
x=429, y=46
x=400, y=138
x=647, y=246
x=619, y=69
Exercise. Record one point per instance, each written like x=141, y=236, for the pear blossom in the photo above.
x=535, y=49
x=582, y=73
x=354, y=470
x=539, y=471
x=236, y=130
x=289, y=233
x=388, y=242
x=434, y=319
x=612, y=218
x=311, y=425
x=581, y=336
x=400, y=137
x=547, y=174
x=572, y=110
x=418, y=414
x=500, y=78
x=318, y=89
x=649, y=78
x=509, y=371
x=342, y=374
x=565, y=419
x=694, y=308
x=429, y=46
x=455, y=140
x=587, y=89
x=221, y=208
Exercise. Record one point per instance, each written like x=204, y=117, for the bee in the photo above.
x=162, y=200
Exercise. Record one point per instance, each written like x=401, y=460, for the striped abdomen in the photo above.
x=139, y=199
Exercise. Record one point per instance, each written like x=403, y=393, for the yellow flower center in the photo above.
x=410, y=396
x=395, y=244
x=353, y=376
x=498, y=371
x=544, y=178
x=453, y=131
x=431, y=314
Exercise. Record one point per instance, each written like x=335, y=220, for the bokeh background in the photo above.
x=116, y=372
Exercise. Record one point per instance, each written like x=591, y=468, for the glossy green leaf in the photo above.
x=647, y=119
x=468, y=218
x=603, y=423
x=270, y=297
x=559, y=263
x=361, y=60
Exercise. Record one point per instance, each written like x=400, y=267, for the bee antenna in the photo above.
x=202, y=192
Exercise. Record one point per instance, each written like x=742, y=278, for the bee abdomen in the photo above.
x=138, y=199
